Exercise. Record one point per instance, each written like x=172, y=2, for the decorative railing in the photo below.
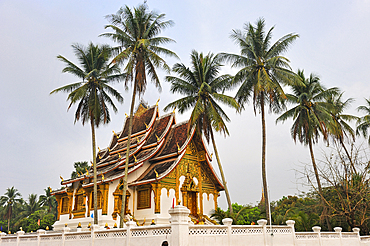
x=181, y=233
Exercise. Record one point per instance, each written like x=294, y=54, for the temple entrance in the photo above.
x=190, y=192
x=192, y=203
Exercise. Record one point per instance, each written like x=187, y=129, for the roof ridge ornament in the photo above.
x=135, y=158
x=157, y=137
x=115, y=134
x=178, y=147
x=146, y=125
x=156, y=104
x=126, y=115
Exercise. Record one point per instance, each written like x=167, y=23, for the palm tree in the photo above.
x=340, y=128
x=80, y=168
x=203, y=88
x=92, y=92
x=9, y=199
x=136, y=32
x=263, y=71
x=363, y=123
x=311, y=114
x=48, y=200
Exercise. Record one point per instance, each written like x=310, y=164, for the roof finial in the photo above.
x=156, y=174
x=61, y=178
x=102, y=176
x=119, y=155
x=146, y=125
x=138, y=140
x=178, y=147
x=156, y=104
x=157, y=137
x=126, y=115
x=174, y=109
x=135, y=158
x=87, y=171
x=108, y=149
x=115, y=134
x=99, y=149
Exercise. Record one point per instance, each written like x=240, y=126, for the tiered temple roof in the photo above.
x=156, y=139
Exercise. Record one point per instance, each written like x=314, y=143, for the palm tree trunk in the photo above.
x=264, y=178
x=127, y=157
x=349, y=157
x=95, y=175
x=222, y=174
x=8, y=223
x=324, y=212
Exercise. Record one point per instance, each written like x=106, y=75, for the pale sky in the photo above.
x=39, y=140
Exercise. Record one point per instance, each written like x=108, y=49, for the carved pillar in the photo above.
x=104, y=195
x=215, y=196
x=157, y=188
x=200, y=180
x=70, y=200
x=177, y=190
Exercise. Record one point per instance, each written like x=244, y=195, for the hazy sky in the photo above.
x=39, y=140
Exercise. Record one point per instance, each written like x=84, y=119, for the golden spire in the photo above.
x=61, y=178
x=115, y=134
x=156, y=104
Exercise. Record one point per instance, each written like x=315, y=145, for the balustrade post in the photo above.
x=339, y=230
x=64, y=231
x=179, y=225
x=357, y=230
x=263, y=223
x=129, y=225
x=93, y=228
x=227, y=222
x=291, y=223
x=39, y=232
x=2, y=234
x=317, y=229
x=19, y=233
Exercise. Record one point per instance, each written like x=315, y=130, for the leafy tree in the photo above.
x=311, y=114
x=347, y=193
x=9, y=200
x=136, y=32
x=263, y=72
x=363, y=123
x=303, y=210
x=80, y=168
x=243, y=215
x=203, y=90
x=92, y=92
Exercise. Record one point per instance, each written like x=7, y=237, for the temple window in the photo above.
x=143, y=198
x=65, y=204
x=79, y=202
